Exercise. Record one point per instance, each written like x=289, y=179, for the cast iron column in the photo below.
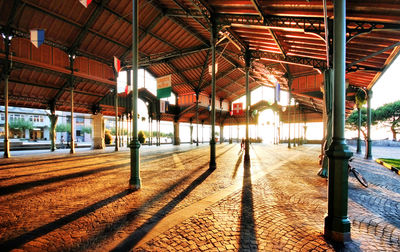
x=116, y=118
x=359, y=129
x=197, y=118
x=135, y=181
x=289, y=119
x=368, y=150
x=191, y=131
x=213, y=164
x=294, y=124
x=71, y=64
x=247, y=58
x=7, y=154
x=337, y=224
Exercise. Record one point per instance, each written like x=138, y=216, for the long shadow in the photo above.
x=239, y=160
x=248, y=239
x=48, y=171
x=53, y=160
x=139, y=233
x=133, y=215
x=40, y=231
x=27, y=185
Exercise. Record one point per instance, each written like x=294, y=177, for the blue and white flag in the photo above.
x=277, y=92
x=37, y=37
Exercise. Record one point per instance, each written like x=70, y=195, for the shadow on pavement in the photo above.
x=239, y=160
x=27, y=185
x=248, y=239
x=43, y=230
x=139, y=233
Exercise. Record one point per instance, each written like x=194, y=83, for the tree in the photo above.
x=20, y=125
x=141, y=137
x=352, y=121
x=87, y=130
x=389, y=115
x=62, y=127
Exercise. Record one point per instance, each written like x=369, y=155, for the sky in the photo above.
x=385, y=90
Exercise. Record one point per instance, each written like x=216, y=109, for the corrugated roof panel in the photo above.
x=232, y=7
x=113, y=28
x=149, y=45
x=193, y=75
x=192, y=60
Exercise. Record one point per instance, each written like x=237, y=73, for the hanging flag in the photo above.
x=162, y=106
x=37, y=37
x=164, y=87
x=277, y=92
x=117, y=64
x=85, y=2
x=237, y=108
x=128, y=89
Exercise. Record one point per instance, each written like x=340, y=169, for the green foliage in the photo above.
x=141, y=137
x=87, y=130
x=107, y=137
x=389, y=115
x=20, y=125
x=62, y=127
x=361, y=97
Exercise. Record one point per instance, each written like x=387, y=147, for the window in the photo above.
x=80, y=121
x=41, y=118
x=2, y=117
x=15, y=117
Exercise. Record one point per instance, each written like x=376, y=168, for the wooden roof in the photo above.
x=286, y=40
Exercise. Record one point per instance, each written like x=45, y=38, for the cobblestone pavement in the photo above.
x=81, y=202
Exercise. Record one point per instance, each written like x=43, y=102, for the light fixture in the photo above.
x=3, y=35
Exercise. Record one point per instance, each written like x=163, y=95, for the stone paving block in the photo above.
x=82, y=202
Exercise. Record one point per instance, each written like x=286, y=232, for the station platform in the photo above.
x=62, y=202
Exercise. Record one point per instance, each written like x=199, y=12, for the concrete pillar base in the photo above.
x=98, y=131
x=98, y=143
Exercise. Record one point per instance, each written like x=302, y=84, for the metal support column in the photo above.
x=6, y=73
x=202, y=131
x=247, y=58
x=116, y=118
x=135, y=181
x=214, y=32
x=294, y=124
x=290, y=100
x=191, y=131
x=337, y=223
x=359, y=130
x=197, y=118
x=71, y=64
x=368, y=150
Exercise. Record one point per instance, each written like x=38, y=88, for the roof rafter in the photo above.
x=156, y=4
x=316, y=63
x=89, y=23
x=189, y=13
x=176, y=71
x=205, y=65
